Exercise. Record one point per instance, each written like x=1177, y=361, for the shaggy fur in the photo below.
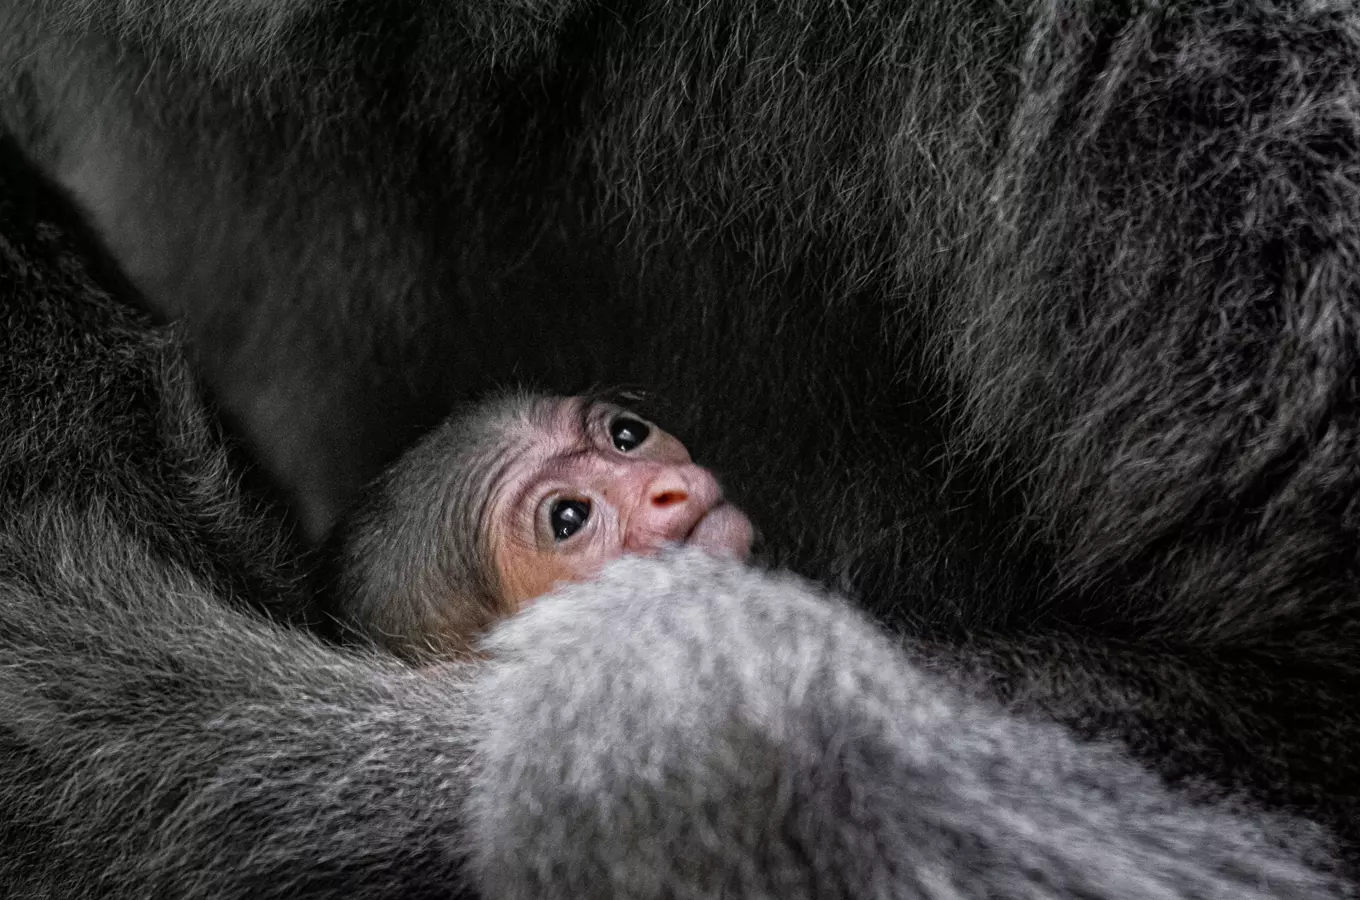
x=823, y=764
x=682, y=728
x=1031, y=325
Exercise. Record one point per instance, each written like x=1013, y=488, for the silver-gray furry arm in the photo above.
x=688, y=728
x=680, y=729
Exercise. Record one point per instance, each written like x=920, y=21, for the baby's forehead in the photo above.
x=564, y=422
x=530, y=431
x=523, y=433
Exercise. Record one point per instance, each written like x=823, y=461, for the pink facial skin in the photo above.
x=581, y=496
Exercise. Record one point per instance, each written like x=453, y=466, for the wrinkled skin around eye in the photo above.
x=592, y=488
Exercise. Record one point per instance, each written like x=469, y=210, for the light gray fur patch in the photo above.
x=690, y=728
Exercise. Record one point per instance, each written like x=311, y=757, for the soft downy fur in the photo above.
x=409, y=566
x=1027, y=324
x=683, y=727
x=824, y=765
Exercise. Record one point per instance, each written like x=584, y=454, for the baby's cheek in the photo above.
x=584, y=567
x=538, y=573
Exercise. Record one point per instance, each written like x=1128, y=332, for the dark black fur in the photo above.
x=1033, y=325
x=681, y=728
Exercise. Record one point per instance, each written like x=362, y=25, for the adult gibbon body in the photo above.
x=1032, y=326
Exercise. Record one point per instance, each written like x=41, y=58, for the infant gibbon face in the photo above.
x=587, y=482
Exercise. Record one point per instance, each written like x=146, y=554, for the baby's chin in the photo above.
x=723, y=531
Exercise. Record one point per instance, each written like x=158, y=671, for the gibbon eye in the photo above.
x=567, y=516
x=627, y=433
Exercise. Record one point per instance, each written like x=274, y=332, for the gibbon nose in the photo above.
x=672, y=503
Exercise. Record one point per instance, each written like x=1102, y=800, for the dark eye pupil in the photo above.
x=628, y=433
x=567, y=517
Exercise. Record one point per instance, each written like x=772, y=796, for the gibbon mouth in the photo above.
x=723, y=530
x=716, y=508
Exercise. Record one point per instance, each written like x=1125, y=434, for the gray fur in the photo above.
x=409, y=568
x=630, y=738
x=732, y=735
x=1032, y=325
x=157, y=742
x=693, y=728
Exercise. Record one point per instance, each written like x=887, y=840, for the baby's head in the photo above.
x=500, y=503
